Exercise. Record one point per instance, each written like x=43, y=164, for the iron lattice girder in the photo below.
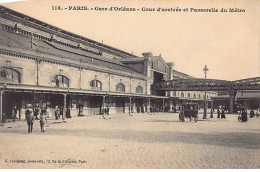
x=197, y=84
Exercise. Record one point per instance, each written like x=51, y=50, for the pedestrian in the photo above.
x=36, y=112
x=244, y=116
x=61, y=112
x=138, y=109
x=223, y=114
x=108, y=111
x=68, y=113
x=142, y=109
x=44, y=110
x=43, y=121
x=15, y=112
x=30, y=121
x=252, y=113
x=27, y=113
x=181, y=116
x=57, y=112
x=218, y=113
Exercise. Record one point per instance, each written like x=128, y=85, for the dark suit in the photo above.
x=30, y=120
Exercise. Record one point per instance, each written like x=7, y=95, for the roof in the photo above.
x=182, y=74
x=130, y=60
x=8, y=12
x=61, y=52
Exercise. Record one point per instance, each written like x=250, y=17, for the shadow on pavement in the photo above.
x=246, y=140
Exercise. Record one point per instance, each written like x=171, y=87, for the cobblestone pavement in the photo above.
x=138, y=141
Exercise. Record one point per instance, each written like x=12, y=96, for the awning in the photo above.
x=59, y=90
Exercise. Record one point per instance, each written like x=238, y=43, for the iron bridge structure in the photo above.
x=199, y=84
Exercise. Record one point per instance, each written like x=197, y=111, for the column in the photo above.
x=232, y=94
x=1, y=105
x=163, y=105
x=109, y=82
x=130, y=103
x=103, y=106
x=211, y=107
x=134, y=107
x=231, y=101
x=149, y=105
x=64, y=105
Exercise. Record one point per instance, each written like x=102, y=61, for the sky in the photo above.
x=228, y=43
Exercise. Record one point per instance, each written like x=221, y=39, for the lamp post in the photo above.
x=205, y=99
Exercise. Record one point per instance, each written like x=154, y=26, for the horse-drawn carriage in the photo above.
x=189, y=110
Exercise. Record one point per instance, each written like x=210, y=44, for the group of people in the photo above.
x=254, y=114
x=221, y=114
x=59, y=112
x=30, y=119
x=243, y=117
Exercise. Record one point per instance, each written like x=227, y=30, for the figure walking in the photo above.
x=223, y=114
x=43, y=121
x=61, y=112
x=36, y=112
x=15, y=112
x=27, y=113
x=57, y=112
x=68, y=113
x=30, y=120
x=218, y=113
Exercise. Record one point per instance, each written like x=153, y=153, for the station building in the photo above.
x=44, y=66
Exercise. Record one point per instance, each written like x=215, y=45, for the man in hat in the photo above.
x=30, y=120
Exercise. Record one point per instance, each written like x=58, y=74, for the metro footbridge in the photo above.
x=198, y=84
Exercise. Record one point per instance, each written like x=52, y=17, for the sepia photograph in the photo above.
x=141, y=84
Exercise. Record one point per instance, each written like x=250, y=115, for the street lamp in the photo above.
x=205, y=99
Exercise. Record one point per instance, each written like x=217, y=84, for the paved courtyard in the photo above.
x=138, y=141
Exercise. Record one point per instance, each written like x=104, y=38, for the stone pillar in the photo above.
x=103, y=105
x=134, y=107
x=103, y=102
x=1, y=105
x=130, y=103
x=231, y=101
x=163, y=104
x=149, y=105
x=64, y=105
x=211, y=107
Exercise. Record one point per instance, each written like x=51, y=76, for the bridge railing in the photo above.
x=211, y=84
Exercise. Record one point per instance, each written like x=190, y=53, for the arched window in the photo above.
x=174, y=93
x=199, y=96
x=188, y=95
x=96, y=84
x=139, y=89
x=194, y=96
x=182, y=94
x=60, y=81
x=10, y=75
x=120, y=87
